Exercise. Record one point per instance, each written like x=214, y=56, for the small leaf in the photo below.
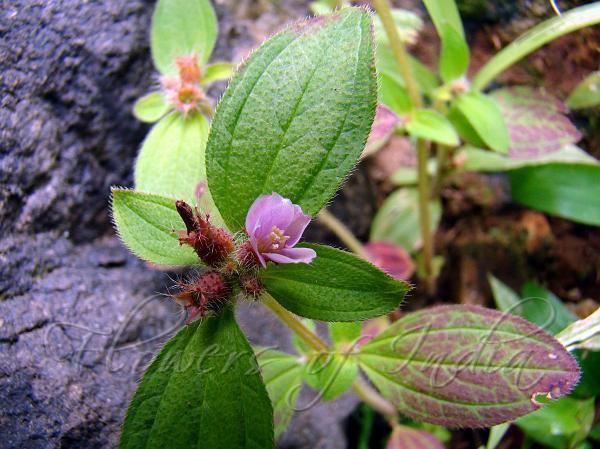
x=444, y=12
x=151, y=107
x=383, y=127
x=584, y=334
x=391, y=258
x=570, y=191
x=295, y=118
x=483, y=116
x=335, y=286
x=538, y=305
x=217, y=71
x=146, y=224
x=467, y=366
x=496, y=434
x=403, y=437
x=586, y=94
x=393, y=95
x=203, y=390
x=454, y=56
x=282, y=374
x=397, y=220
x=536, y=122
x=408, y=25
x=344, y=334
x=181, y=28
x=560, y=424
x=387, y=65
x=476, y=159
x=171, y=161
x=432, y=125
x=331, y=375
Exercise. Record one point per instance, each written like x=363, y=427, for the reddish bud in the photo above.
x=251, y=286
x=207, y=293
x=187, y=215
x=246, y=256
x=189, y=69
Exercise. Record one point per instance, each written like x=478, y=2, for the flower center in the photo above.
x=276, y=239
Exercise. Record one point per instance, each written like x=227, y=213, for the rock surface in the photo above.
x=79, y=316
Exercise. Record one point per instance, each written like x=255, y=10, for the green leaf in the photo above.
x=298, y=343
x=533, y=39
x=485, y=161
x=331, y=375
x=217, y=72
x=454, y=55
x=282, y=374
x=344, y=334
x=397, y=220
x=203, y=390
x=181, y=28
x=335, y=286
x=431, y=125
x=483, y=116
x=583, y=334
x=387, y=65
x=171, y=161
x=570, y=191
x=586, y=94
x=536, y=122
x=496, y=435
x=146, y=224
x=537, y=305
x=151, y=107
x=407, y=23
x=444, y=12
x=294, y=120
x=466, y=366
x=560, y=424
x=393, y=95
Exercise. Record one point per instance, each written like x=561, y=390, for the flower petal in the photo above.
x=296, y=228
x=292, y=255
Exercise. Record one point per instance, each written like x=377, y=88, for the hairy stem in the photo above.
x=362, y=389
x=342, y=232
x=399, y=49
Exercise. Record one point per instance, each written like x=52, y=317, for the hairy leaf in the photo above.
x=182, y=28
x=146, y=224
x=203, y=390
x=586, y=94
x=295, y=119
x=570, y=191
x=282, y=374
x=467, y=366
x=536, y=122
x=335, y=286
x=477, y=113
x=432, y=125
x=397, y=220
x=151, y=107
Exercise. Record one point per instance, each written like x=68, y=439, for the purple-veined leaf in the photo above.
x=467, y=366
x=383, y=127
x=391, y=258
x=408, y=438
x=536, y=122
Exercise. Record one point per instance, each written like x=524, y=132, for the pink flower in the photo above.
x=275, y=225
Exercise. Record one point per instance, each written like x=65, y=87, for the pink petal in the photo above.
x=292, y=255
x=296, y=228
x=268, y=211
x=391, y=258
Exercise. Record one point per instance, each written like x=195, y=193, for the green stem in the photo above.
x=362, y=389
x=399, y=49
x=342, y=232
x=424, y=221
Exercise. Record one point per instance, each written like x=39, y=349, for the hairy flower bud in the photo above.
x=206, y=293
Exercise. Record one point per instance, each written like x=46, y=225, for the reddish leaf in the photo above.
x=383, y=127
x=408, y=438
x=391, y=258
x=536, y=122
x=467, y=366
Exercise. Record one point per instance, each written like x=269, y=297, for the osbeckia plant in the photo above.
x=290, y=127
